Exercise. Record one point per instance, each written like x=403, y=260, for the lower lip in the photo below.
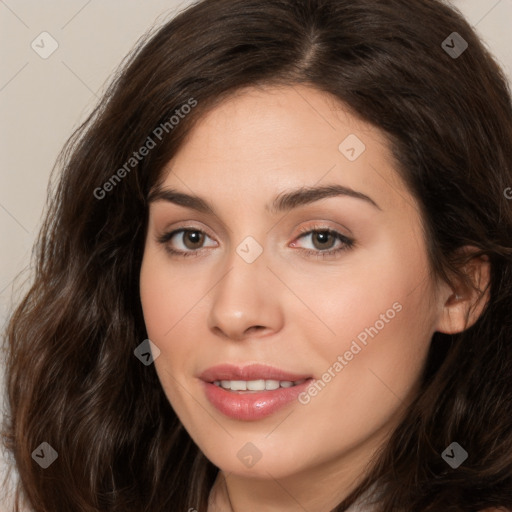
x=252, y=406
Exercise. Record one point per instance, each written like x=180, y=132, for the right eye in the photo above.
x=184, y=241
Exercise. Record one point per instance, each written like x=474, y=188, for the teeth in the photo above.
x=237, y=385
x=271, y=384
x=256, y=385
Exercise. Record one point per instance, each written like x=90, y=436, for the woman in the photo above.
x=277, y=273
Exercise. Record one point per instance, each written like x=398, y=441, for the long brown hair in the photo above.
x=72, y=378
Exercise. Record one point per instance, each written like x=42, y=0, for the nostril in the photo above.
x=254, y=327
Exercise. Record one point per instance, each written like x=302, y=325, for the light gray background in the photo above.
x=43, y=100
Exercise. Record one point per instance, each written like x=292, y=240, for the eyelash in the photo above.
x=166, y=237
x=347, y=243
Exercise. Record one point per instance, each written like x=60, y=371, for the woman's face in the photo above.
x=303, y=254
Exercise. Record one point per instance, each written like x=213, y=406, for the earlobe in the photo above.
x=465, y=302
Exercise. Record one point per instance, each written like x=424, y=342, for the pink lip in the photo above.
x=251, y=406
x=249, y=372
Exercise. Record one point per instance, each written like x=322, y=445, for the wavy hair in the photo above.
x=72, y=378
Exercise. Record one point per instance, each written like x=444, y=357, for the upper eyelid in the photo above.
x=319, y=226
x=302, y=231
x=340, y=237
x=184, y=227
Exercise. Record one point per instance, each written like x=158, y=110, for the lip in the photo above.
x=249, y=372
x=252, y=406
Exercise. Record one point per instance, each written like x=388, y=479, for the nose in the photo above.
x=244, y=303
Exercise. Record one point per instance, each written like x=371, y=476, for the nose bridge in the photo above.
x=246, y=264
x=240, y=300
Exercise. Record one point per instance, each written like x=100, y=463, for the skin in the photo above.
x=289, y=309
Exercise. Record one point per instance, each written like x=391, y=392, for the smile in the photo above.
x=253, y=392
x=256, y=385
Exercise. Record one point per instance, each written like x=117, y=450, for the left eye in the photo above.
x=323, y=240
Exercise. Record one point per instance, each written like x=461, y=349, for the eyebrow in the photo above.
x=305, y=195
x=283, y=202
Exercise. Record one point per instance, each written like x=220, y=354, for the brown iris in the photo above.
x=323, y=238
x=194, y=238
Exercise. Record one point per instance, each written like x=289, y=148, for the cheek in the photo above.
x=167, y=294
x=172, y=303
x=163, y=304
x=375, y=289
x=379, y=310
x=371, y=371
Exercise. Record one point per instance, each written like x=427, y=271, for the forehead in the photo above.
x=262, y=140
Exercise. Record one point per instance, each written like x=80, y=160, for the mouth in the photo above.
x=252, y=392
x=254, y=386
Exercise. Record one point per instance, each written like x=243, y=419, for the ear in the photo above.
x=461, y=304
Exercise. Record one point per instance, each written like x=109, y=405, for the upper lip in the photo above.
x=249, y=372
